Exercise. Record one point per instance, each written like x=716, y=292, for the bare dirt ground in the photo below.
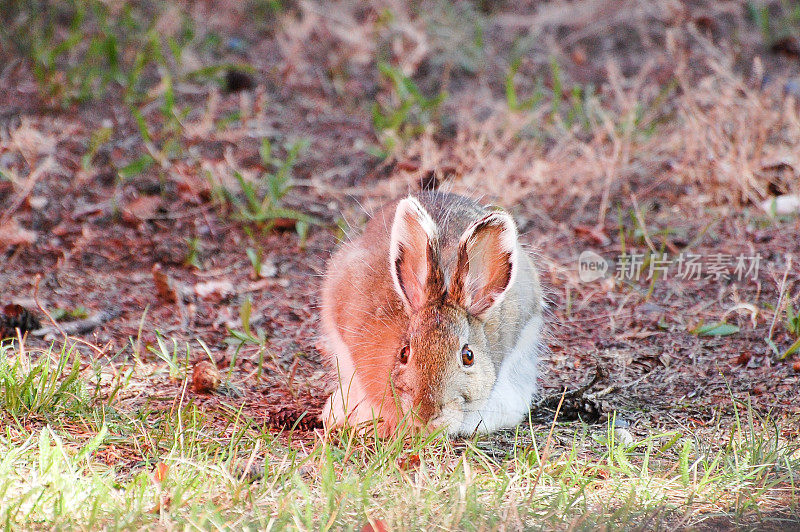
x=659, y=126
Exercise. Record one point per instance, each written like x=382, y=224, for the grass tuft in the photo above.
x=130, y=466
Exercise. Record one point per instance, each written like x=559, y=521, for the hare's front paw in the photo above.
x=347, y=407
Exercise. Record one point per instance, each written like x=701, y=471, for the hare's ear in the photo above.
x=486, y=263
x=413, y=255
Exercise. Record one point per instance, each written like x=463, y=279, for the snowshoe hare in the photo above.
x=432, y=317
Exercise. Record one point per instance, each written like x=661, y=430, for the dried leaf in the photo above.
x=594, y=233
x=715, y=329
x=142, y=208
x=376, y=525
x=164, y=285
x=160, y=472
x=12, y=234
x=214, y=289
x=408, y=462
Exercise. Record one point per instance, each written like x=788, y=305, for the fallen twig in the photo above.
x=598, y=376
x=79, y=326
x=56, y=326
x=577, y=404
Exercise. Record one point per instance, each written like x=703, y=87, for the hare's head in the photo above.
x=444, y=367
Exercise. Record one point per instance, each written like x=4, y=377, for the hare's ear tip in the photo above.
x=510, y=233
x=411, y=199
x=410, y=207
x=502, y=216
x=502, y=222
x=410, y=203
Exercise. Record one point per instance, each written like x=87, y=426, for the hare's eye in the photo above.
x=404, y=354
x=467, y=358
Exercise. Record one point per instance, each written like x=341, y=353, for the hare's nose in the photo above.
x=429, y=406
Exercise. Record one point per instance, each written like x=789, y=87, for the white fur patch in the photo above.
x=411, y=208
x=510, y=399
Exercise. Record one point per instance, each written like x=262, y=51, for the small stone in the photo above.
x=623, y=436
x=37, y=203
x=786, y=204
x=205, y=377
x=236, y=45
x=620, y=422
x=792, y=87
x=268, y=269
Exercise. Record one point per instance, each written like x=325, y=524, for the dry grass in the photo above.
x=82, y=458
x=718, y=137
